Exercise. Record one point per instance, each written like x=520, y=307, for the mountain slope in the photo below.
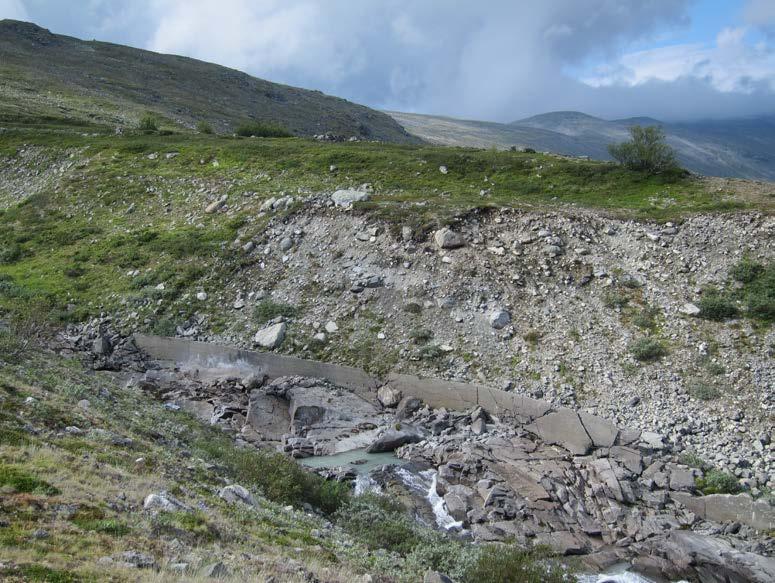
x=54, y=76
x=735, y=148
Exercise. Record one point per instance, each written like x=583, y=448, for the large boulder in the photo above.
x=388, y=396
x=448, y=239
x=563, y=428
x=394, y=438
x=271, y=336
x=499, y=319
x=346, y=198
x=236, y=494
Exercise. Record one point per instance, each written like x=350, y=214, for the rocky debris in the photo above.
x=448, y=239
x=102, y=346
x=346, y=198
x=237, y=494
x=271, y=336
x=130, y=560
x=216, y=570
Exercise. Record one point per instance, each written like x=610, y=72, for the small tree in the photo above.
x=646, y=152
x=203, y=127
x=148, y=123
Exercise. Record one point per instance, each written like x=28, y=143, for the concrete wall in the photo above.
x=436, y=392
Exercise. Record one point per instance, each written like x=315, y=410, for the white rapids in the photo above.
x=425, y=483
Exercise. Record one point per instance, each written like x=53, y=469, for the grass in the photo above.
x=72, y=244
x=268, y=310
x=17, y=480
x=704, y=391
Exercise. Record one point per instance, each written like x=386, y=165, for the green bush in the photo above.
x=508, y=564
x=746, y=271
x=397, y=532
x=279, y=478
x=10, y=254
x=647, y=349
x=646, y=319
x=164, y=327
x=204, y=128
x=421, y=335
x=647, y=151
x=23, y=482
x=260, y=129
x=615, y=300
x=716, y=307
x=148, y=123
x=267, y=310
x=759, y=295
x=718, y=482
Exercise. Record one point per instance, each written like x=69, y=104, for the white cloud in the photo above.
x=731, y=65
x=13, y=9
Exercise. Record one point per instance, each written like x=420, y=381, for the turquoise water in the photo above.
x=348, y=459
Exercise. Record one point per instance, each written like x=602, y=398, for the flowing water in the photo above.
x=423, y=485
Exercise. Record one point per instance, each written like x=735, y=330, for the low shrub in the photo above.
x=10, y=254
x=646, y=319
x=647, y=151
x=704, y=391
x=260, y=129
x=509, y=564
x=746, y=271
x=267, y=310
x=23, y=482
x=421, y=335
x=647, y=349
x=716, y=307
x=148, y=123
x=615, y=300
x=760, y=295
x=718, y=482
x=397, y=532
x=204, y=128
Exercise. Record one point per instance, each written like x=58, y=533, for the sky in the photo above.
x=498, y=60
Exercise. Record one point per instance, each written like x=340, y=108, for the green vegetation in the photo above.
x=148, y=124
x=714, y=306
x=497, y=564
x=718, y=482
x=267, y=310
x=20, y=481
x=647, y=349
x=703, y=391
x=646, y=152
x=257, y=129
x=204, y=127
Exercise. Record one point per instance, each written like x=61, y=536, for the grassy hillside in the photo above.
x=79, y=215
x=45, y=76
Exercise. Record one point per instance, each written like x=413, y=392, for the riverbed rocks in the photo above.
x=394, y=437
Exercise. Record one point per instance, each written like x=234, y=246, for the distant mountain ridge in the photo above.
x=743, y=148
x=46, y=75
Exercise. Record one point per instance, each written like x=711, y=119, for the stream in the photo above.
x=423, y=485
